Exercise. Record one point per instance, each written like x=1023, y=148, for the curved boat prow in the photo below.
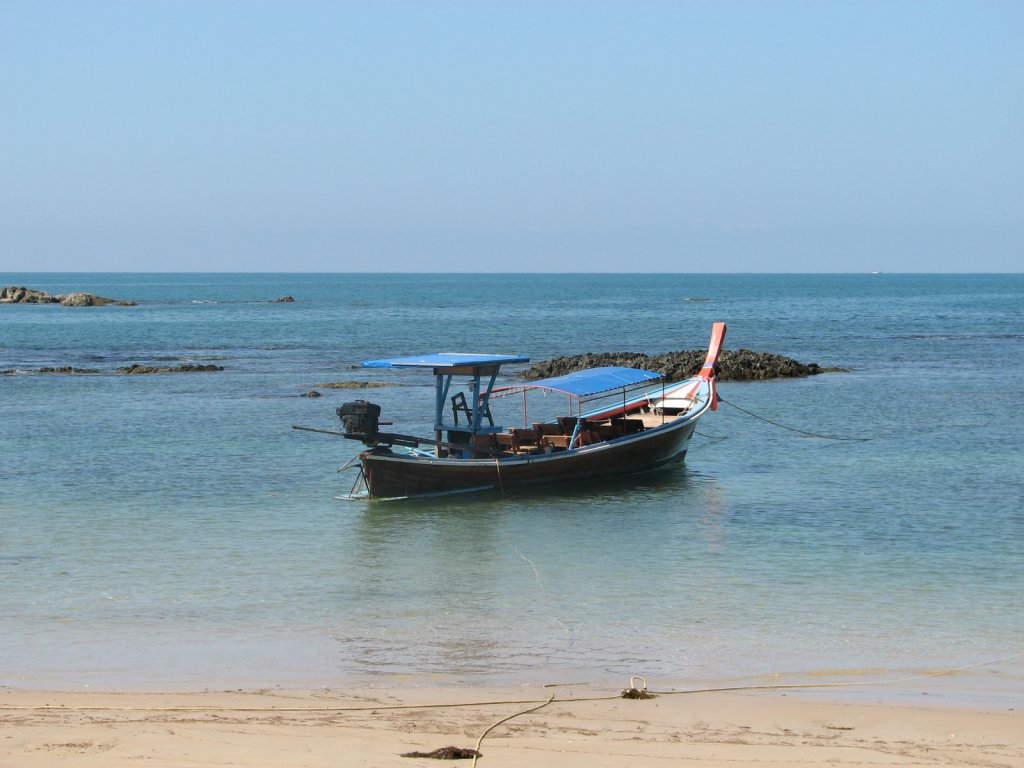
x=707, y=370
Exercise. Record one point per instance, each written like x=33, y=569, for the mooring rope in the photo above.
x=633, y=693
x=711, y=437
x=793, y=429
x=497, y=468
x=536, y=577
x=846, y=684
x=476, y=752
x=492, y=702
x=642, y=694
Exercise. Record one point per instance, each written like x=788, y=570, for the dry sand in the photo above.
x=373, y=727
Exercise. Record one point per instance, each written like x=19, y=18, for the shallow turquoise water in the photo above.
x=174, y=530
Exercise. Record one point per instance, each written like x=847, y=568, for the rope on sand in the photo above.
x=630, y=693
x=495, y=703
x=476, y=754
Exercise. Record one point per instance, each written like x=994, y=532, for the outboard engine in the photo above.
x=361, y=420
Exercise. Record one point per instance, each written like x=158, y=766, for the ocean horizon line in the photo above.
x=497, y=273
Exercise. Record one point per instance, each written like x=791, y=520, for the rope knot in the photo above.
x=636, y=693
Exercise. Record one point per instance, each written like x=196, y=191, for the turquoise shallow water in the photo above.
x=174, y=531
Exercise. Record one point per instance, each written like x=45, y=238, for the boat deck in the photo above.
x=556, y=436
x=652, y=420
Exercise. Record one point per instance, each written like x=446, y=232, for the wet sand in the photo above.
x=582, y=727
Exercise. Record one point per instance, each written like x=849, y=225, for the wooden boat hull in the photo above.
x=392, y=475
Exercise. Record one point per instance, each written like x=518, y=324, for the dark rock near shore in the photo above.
x=355, y=384
x=67, y=369
x=311, y=393
x=282, y=300
x=18, y=294
x=62, y=370
x=733, y=365
x=135, y=368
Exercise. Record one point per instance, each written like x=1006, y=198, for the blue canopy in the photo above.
x=590, y=382
x=444, y=360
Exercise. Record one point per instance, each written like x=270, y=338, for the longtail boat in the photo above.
x=620, y=421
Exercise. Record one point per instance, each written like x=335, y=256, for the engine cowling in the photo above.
x=361, y=419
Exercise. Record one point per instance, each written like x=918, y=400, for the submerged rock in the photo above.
x=311, y=393
x=733, y=365
x=64, y=369
x=282, y=300
x=355, y=384
x=135, y=368
x=67, y=369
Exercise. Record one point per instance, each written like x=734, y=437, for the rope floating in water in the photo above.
x=793, y=429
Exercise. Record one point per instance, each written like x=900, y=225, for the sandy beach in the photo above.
x=581, y=726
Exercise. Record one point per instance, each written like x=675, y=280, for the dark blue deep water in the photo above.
x=173, y=530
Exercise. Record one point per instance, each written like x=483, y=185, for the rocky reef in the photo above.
x=135, y=368
x=355, y=384
x=19, y=294
x=733, y=365
x=64, y=369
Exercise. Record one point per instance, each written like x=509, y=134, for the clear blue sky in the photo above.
x=712, y=136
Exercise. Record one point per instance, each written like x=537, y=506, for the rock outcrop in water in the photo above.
x=69, y=369
x=66, y=369
x=135, y=368
x=733, y=365
x=355, y=384
x=19, y=294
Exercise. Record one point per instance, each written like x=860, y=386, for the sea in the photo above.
x=172, y=531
